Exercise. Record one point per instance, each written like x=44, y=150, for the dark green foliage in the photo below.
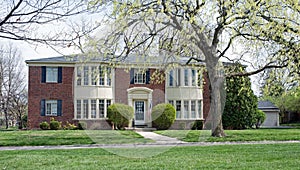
x=44, y=125
x=55, y=125
x=82, y=125
x=241, y=103
x=260, y=117
x=24, y=121
x=120, y=115
x=197, y=125
x=163, y=116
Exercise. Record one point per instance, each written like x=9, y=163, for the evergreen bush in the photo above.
x=163, y=116
x=120, y=115
x=44, y=125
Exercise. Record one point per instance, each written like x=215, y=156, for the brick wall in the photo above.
x=56, y=91
x=122, y=83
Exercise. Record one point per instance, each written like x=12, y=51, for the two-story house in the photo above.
x=74, y=89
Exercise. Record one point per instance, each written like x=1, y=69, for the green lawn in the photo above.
x=275, y=156
x=68, y=137
x=235, y=135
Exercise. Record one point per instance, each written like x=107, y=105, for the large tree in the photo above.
x=205, y=31
x=48, y=22
x=12, y=83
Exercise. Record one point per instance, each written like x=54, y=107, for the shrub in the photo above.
x=55, y=125
x=70, y=126
x=44, y=125
x=163, y=116
x=120, y=115
x=82, y=125
x=240, y=103
x=260, y=117
x=197, y=125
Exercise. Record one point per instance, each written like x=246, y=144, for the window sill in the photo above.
x=91, y=119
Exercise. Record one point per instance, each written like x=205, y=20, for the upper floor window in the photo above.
x=86, y=75
x=139, y=76
x=51, y=74
x=171, y=78
x=184, y=77
x=193, y=77
x=94, y=75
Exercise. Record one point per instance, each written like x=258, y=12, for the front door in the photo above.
x=139, y=109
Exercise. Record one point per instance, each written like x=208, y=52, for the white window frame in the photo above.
x=93, y=108
x=86, y=75
x=178, y=111
x=51, y=74
x=139, y=76
x=171, y=78
x=52, y=106
x=78, y=109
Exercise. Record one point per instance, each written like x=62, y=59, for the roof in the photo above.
x=131, y=59
x=266, y=105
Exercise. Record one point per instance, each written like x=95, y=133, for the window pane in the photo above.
x=171, y=76
x=94, y=75
x=79, y=75
x=199, y=108
x=139, y=77
x=108, y=103
x=193, y=109
x=171, y=102
x=78, y=114
x=101, y=76
x=101, y=108
x=108, y=75
x=186, y=109
x=186, y=77
x=193, y=77
x=86, y=75
x=85, y=109
x=51, y=74
x=93, y=108
x=51, y=107
x=178, y=109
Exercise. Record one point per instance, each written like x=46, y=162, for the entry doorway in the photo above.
x=139, y=112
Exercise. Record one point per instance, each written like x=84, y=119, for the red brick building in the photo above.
x=72, y=89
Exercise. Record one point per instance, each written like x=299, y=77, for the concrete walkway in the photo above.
x=160, y=138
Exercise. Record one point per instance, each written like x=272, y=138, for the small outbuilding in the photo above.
x=272, y=113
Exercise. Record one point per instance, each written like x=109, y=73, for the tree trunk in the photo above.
x=218, y=93
x=6, y=118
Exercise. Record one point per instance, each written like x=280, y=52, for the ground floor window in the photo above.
x=187, y=109
x=51, y=107
x=91, y=108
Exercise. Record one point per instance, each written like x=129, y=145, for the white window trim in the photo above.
x=81, y=71
x=46, y=109
x=137, y=72
x=55, y=78
x=89, y=116
x=199, y=116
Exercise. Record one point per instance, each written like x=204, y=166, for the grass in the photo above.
x=275, y=156
x=235, y=135
x=68, y=137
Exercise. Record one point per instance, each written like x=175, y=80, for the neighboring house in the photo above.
x=272, y=113
x=74, y=89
